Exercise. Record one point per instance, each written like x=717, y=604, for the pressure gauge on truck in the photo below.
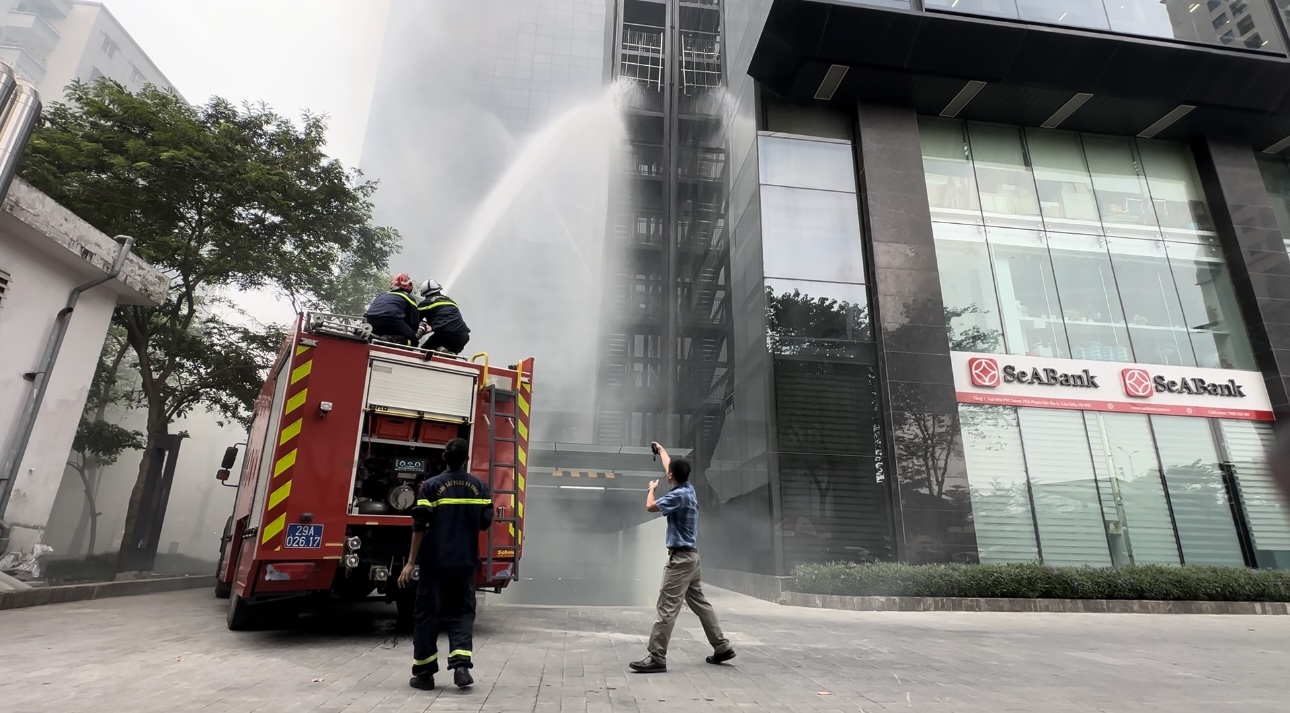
x=402, y=497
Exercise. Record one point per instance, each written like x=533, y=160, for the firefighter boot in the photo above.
x=424, y=682
x=462, y=678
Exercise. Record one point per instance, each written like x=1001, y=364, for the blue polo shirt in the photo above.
x=681, y=507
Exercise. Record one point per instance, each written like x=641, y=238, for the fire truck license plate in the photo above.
x=307, y=536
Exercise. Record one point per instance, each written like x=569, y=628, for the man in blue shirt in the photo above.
x=681, y=580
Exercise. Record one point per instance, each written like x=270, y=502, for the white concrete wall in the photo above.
x=47, y=251
x=37, y=292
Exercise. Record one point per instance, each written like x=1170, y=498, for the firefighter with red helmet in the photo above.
x=452, y=509
x=394, y=315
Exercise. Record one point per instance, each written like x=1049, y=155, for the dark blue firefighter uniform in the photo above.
x=452, y=509
x=444, y=317
x=394, y=314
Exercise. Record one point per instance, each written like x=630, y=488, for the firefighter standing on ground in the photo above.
x=453, y=508
x=681, y=580
x=394, y=315
x=444, y=317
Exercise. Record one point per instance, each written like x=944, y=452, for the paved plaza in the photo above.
x=171, y=653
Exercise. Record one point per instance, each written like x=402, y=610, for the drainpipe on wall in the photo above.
x=27, y=422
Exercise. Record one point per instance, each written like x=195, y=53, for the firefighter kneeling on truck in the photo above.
x=449, y=331
x=453, y=508
x=394, y=315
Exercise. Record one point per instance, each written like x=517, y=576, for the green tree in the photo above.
x=223, y=198
x=99, y=443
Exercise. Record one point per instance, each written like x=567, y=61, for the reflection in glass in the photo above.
x=1157, y=326
x=1007, y=188
x=1276, y=177
x=1202, y=512
x=1032, y=316
x=1175, y=190
x=993, y=8
x=1247, y=444
x=1246, y=24
x=1120, y=187
x=1001, y=511
x=804, y=163
x=1090, y=299
x=1217, y=331
x=967, y=288
x=951, y=183
x=832, y=509
x=1065, y=186
x=1074, y=13
x=816, y=318
x=1136, y=512
x=1067, y=509
x=812, y=235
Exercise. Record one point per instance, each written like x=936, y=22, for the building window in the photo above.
x=95, y=74
x=1088, y=488
x=4, y=286
x=109, y=46
x=1078, y=246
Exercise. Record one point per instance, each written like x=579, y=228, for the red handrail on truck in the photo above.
x=345, y=430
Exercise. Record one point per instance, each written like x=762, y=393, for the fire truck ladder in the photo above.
x=510, y=445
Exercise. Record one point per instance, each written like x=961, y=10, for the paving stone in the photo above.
x=171, y=653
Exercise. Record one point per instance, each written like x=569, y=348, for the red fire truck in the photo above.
x=345, y=430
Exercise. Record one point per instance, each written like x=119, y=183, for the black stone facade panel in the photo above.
x=1255, y=251
x=928, y=482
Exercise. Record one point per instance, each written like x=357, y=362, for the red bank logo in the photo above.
x=1137, y=383
x=984, y=372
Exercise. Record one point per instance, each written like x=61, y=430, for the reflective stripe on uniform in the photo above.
x=424, y=503
x=461, y=501
x=405, y=296
x=441, y=303
x=459, y=652
x=421, y=662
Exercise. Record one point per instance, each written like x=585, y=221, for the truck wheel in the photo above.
x=241, y=615
x=222, y=588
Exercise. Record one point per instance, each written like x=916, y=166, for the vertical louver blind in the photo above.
x=1133, y=495
x=1269, y=520
x=1201, y=509
x=1005, y=528
x=1067, y=509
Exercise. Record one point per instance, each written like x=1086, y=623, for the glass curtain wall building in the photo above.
x=909, y=280
x=1035, y=315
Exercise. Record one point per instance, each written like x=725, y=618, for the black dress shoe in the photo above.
x=462, y=678
x=721, y=656
x=648, y=665
x=422, y=683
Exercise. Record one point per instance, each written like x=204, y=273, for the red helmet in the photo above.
x=403, y=282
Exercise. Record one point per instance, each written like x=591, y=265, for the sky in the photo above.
x=319, y=55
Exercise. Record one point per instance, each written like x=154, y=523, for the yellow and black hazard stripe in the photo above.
x=525, y=395
x=607, y=474
x=293, y=417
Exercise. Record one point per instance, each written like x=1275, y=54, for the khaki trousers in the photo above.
x=681, y=583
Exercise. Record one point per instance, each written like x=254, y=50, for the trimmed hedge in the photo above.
x=1037, y=581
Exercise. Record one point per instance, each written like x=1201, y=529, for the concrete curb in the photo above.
x=100, y=590
x=1068, y=606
